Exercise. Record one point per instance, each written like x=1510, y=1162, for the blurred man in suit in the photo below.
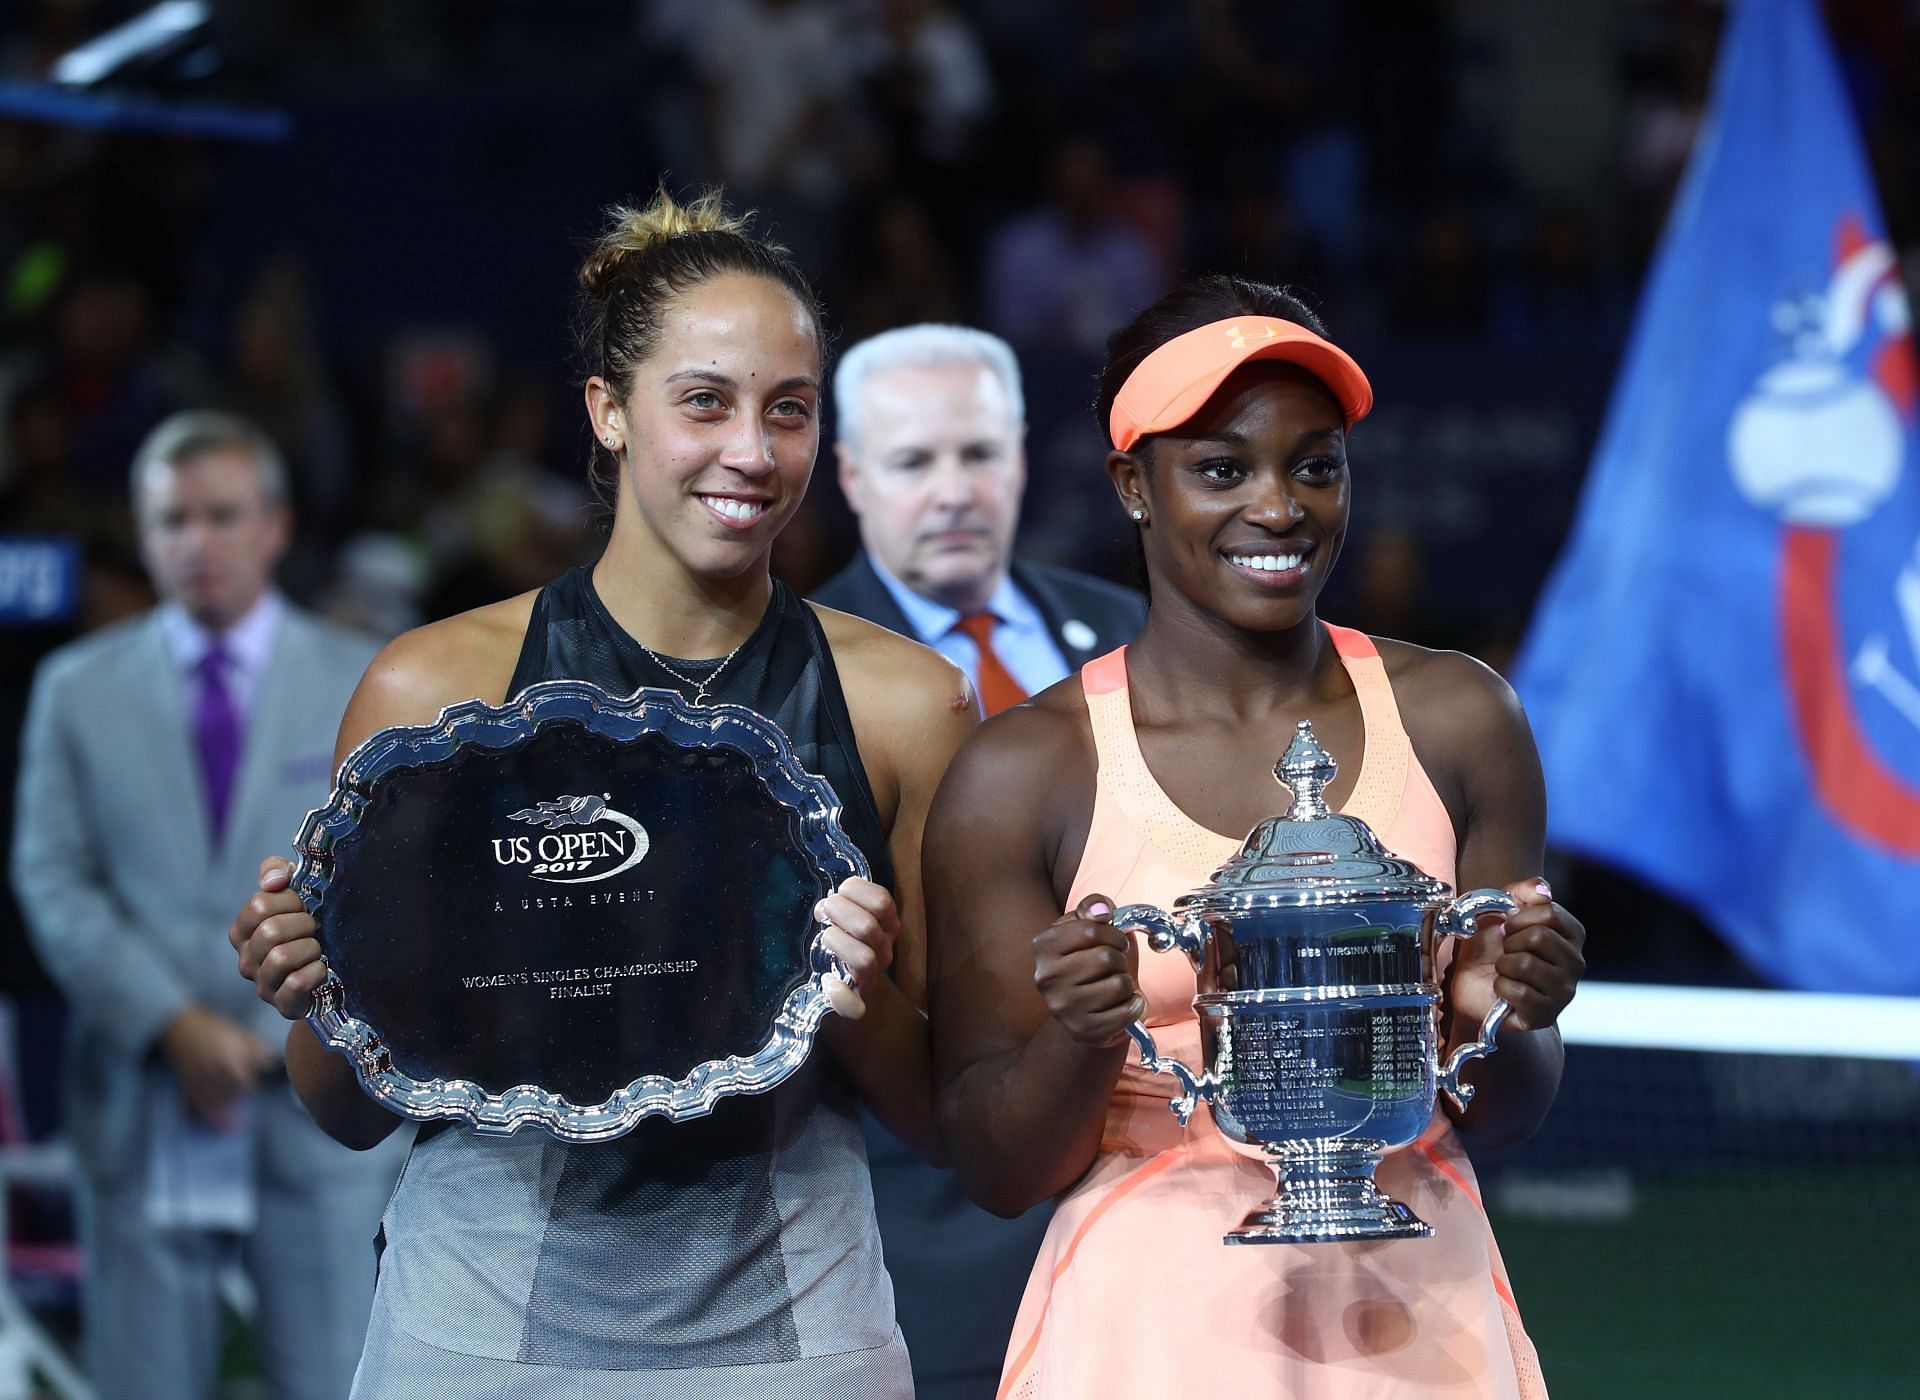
x=931, y=440
x=931, y=429
x=159, y=758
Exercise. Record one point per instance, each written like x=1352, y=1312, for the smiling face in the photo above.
x=935, y=474
x=1247, y=501
x=719, y=427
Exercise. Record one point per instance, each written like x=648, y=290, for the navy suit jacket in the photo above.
x=1087, y=616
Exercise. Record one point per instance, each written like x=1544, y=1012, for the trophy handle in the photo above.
x=1164, y=934
x=1457, y=920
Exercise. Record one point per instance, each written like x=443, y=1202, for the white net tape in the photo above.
x=1630, y=1015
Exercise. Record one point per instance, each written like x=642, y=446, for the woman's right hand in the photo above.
x=1084, y=968
x=274, y=936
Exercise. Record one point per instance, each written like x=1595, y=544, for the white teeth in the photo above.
x=1268, y=563
x=735, y=510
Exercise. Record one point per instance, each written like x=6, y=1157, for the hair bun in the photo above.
x=632, y=233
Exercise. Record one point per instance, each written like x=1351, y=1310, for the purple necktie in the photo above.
x=216, y=733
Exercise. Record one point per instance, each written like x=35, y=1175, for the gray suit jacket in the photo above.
x=126, y=900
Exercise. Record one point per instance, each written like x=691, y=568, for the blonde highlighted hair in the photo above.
x=633, y=233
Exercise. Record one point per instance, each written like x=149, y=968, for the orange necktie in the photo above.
x=998, y=689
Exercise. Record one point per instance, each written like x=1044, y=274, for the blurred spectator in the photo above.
x=1280, y=82
x=927, y=97
x=1065, y=274
x=533, y=522
x=1445, y=286
x=1387, y=599
x=158, y=758
x=1668, y=77
x=671, y=106
x=778, y=77
x=379, y=584
x=927, y=80
x=1249, y=225
x=277, y=377
x=494, y=517
x=38, y=493
x=908, y=274
x=441, y=477
x=105, y=374
x=39, y=496
x=932, y=457
x=1558, y=293
x=804, y=556
x=21, y=290
x=1390, y=593
x=1122, y=68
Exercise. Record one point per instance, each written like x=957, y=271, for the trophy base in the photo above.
x=1327, y=1196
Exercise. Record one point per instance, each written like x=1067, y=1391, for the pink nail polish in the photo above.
x=1544, y=888
x=1099, y=907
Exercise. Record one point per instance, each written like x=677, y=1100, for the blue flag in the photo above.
x=1724, y=671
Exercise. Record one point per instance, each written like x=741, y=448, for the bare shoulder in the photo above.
x=1018, y=797
x=1036, y=757
x=1452, y=704
x=469, y=656
x=885, y=675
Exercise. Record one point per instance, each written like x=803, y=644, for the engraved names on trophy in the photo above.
x=1311, y=953
x=1327, y=947
x=1401, y=1056
x=1278, y=1070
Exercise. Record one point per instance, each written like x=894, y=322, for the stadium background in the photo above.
x=358, y=221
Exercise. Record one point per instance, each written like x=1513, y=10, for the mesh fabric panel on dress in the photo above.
x=663, y=1249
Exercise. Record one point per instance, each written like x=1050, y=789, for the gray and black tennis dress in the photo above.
x=732, y=1255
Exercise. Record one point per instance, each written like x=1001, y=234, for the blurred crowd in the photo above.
x=1458, y=184
x=1446, y=174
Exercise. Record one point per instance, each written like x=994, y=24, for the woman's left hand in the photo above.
x=866, y=925
x=1535, y=962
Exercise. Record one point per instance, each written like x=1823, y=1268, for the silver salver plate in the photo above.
x=573, y=911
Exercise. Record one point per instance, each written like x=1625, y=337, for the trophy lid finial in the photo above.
x=1311, y=855
x=1307, y=769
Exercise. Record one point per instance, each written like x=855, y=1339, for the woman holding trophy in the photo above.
x=1228, y=410
x=735, y=1253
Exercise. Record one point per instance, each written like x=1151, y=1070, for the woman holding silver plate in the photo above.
x=1228, y=410
x=736, y=1253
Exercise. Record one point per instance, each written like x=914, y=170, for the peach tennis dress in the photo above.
x=1133, y=1294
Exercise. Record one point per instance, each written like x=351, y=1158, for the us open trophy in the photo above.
x=1317, y=1022
x=573, y=911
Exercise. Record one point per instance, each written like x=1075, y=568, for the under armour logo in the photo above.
x=1237, y=338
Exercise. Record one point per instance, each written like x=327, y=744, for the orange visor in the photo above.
x=1170, y=385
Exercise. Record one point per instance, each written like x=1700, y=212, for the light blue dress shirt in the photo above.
x=1020, y=636
x=249, y=642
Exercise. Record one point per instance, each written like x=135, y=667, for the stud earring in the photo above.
x=1139, y=514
